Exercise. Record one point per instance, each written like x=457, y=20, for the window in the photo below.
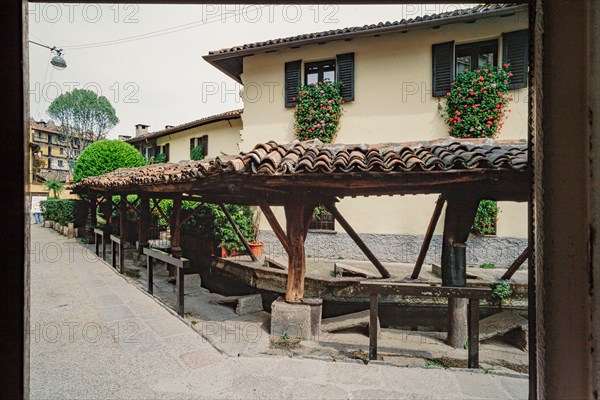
x=448, y=59
x=324, y=222
x=62, y=151
x=476, y=55
x=321, y=71
x=339, y=69
x=199, y=141
x=61, y=163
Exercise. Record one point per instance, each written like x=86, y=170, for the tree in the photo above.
x=106, y=156
x=55, y=186
x=82, y=111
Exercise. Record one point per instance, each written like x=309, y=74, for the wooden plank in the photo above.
x=167, y=258
x=336, y=214
x=516, y=264
x=473, y=316
x=277, y=229
x=341, y=269
x=238, y=232
x=435, y=217
x=424, y=290
x=373, y=317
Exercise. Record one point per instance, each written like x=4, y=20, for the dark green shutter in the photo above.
x=166, y=150
x=292, y=82
x=204, y=143
x=515, y=52
x=443, y=67
x=345, y=74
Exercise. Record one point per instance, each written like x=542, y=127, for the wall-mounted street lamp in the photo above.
x=57, y=61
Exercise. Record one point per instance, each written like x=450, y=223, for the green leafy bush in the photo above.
x=318, y=112
x=160, y=158
x=210, y=223
x=198, y=153
x=64, y=211
x=485, y=218
x=502, y=290
x=106, y=156
x=476, y=102
x=488, y=266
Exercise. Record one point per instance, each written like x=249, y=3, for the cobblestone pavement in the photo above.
x=93, y=335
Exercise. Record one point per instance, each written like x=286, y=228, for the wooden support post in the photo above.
x=113, y=249
x=473, y=333
x=460, y=212
x=144, y=223
x=180, y=277
x=435, y=217
x=373, y=316
x=93, y=210
x=238, y=232
x=516, y=264
x=150, y=268
x=122, y=231
x=336, y=214
x=106, y=209
x=176, y=228
x=295, y=215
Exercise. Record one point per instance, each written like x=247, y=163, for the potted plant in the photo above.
x=256, y=245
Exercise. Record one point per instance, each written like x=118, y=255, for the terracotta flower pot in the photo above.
x=257, y=248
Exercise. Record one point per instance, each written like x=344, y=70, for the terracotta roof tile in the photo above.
x=187, y=125
x=314, y=157
x=475, y=11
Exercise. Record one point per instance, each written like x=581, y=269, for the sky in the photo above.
x=147, y=59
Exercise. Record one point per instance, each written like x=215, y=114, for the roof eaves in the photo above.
x=434, y=20
x=233, y=114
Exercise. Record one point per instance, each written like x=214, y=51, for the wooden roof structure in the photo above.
x=300, y=175
x=272, y=171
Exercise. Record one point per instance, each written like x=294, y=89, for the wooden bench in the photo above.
x=182, y=266
x=419, y=290
x=99, y=233
x=117, y=243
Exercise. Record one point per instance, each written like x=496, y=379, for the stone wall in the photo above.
x=501, y=251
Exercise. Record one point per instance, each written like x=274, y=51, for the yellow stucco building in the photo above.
x=396, y=77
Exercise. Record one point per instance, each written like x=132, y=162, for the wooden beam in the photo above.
x=155, y=206
x=277, y=229
x=516, y=264
x=435, y=217
x=144, y=223
x=192, y=213
x=352, y=233
x=239, y=233
x=295, y=227
x=176, y=228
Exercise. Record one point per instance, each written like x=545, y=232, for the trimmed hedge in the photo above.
x=106, y=156
x=64, y=211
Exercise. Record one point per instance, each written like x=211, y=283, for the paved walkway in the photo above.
x=93, y=335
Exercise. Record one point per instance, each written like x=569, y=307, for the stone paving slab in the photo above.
x=103, y=347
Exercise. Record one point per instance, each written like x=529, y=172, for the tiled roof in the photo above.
x=314, y=157
x=192, y=124
x=446, y=17
x=39, y=127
